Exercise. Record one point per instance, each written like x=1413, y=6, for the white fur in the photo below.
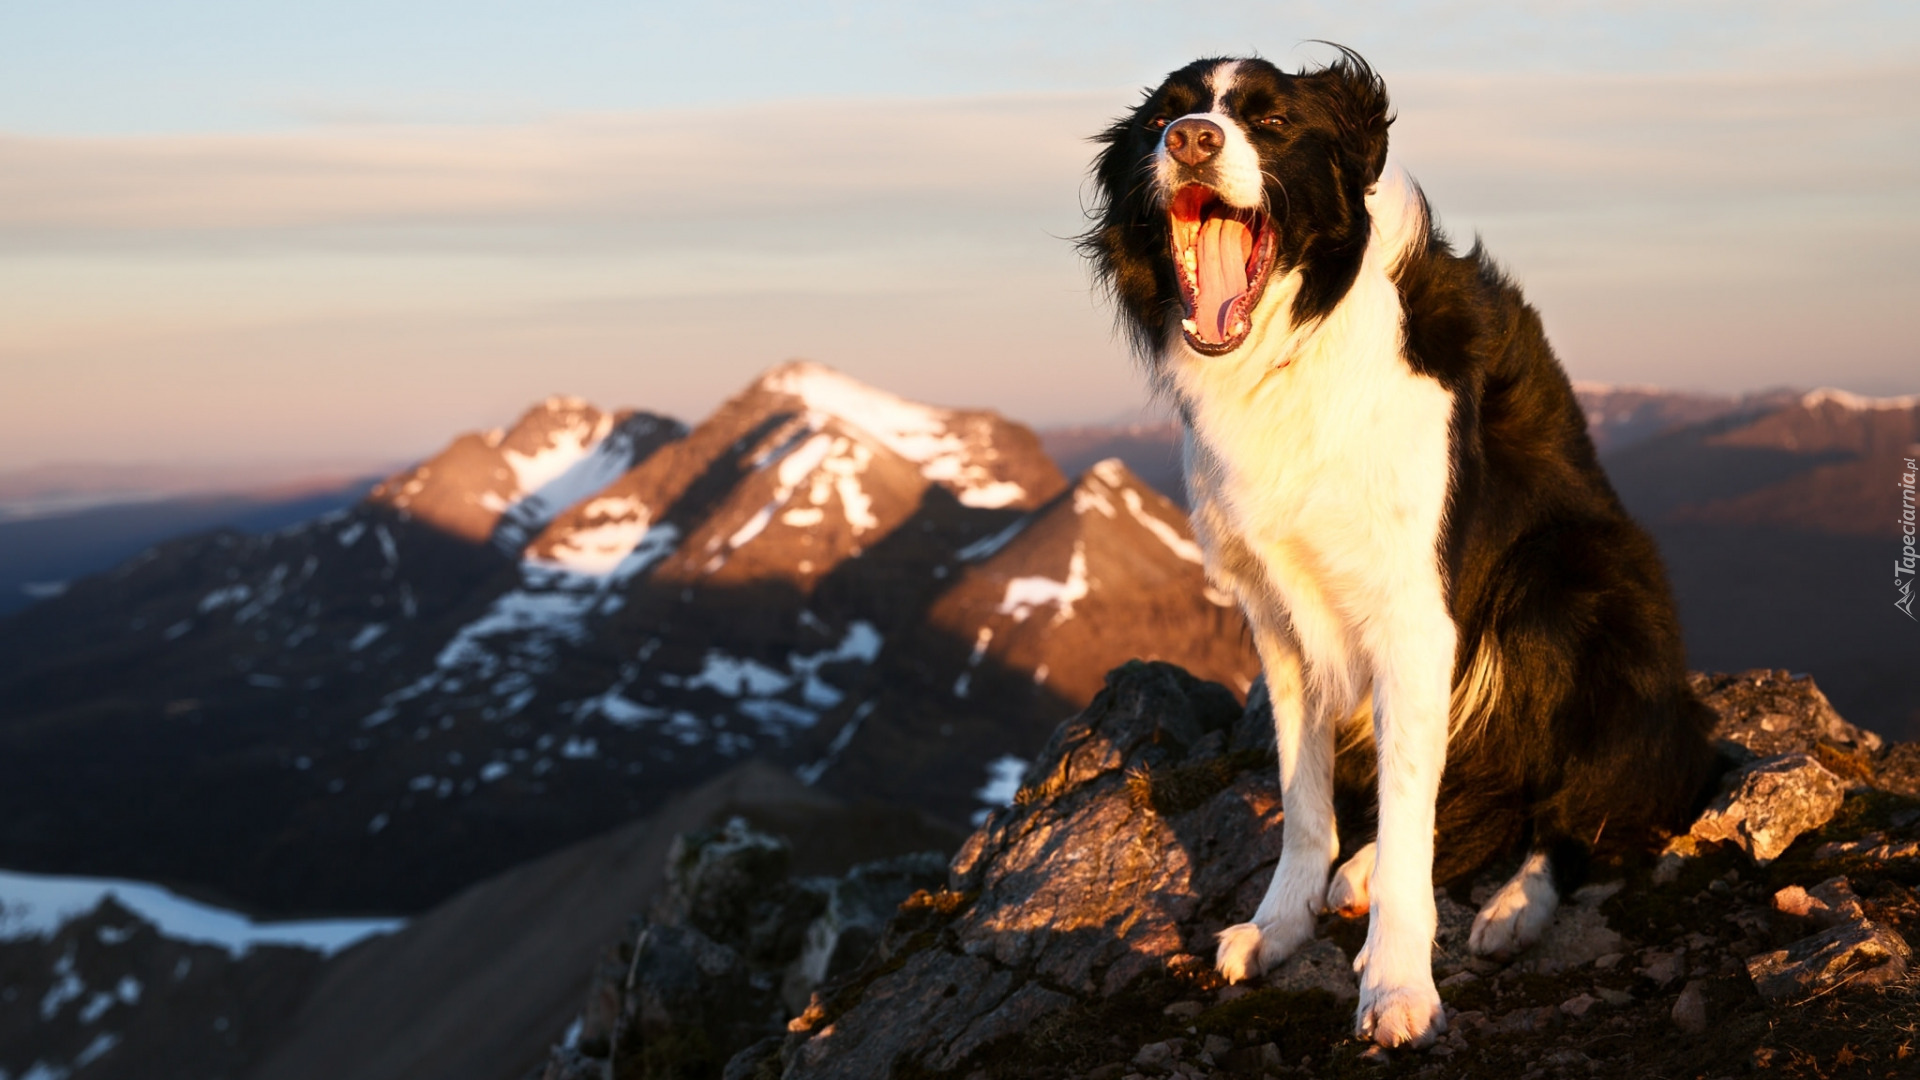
x=1318, y=462
x=1519, y=913
x=1237, y=177
x=1476, y=694
x=1351, y=892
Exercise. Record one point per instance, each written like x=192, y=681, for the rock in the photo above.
x=761, y=1061
x=1767, y=805
x=858, y=907
x=1830, y=903
x=1663, y=967
x=1874, y=846
x=568, y=1063
x=1860, y=953
x=602, y=1010
x=1690, y=1010
x=1317, y=965
x=1184, y=1010
x=1156, y=1056
x=1768, y=713
x=1124, y=858
x=683, y=981
x=1578, y=936
x=1577, y=1005
x=714, y=878
x=1216, y=1046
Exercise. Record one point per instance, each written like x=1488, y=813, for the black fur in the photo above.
x=1596, y=736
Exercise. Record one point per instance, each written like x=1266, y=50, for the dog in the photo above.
x=1388, y=470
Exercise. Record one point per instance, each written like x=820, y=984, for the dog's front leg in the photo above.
x=1399, y=1005
x=1304, y=737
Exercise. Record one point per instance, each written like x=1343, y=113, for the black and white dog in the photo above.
x=1388, y=469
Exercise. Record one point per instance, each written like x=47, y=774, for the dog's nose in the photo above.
x=1194, y=140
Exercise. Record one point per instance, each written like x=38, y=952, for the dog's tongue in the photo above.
x=1225, y=244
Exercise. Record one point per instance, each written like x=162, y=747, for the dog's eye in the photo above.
x=1158, y=122
x=1272, y=121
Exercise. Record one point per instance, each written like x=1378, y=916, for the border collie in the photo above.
x=1388, y=470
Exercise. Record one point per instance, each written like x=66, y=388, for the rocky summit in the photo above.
x=550, y=629
x=1071, y=935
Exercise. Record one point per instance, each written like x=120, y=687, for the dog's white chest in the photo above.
x=1331, y=472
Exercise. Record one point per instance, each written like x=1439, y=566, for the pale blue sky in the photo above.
x=236, y=229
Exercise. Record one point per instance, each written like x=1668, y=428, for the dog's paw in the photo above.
x=1349, y=894
x=1247, y=950
x=1393, y=1016
x=1516, y=917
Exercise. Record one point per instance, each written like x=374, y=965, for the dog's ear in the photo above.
x=1361, y=108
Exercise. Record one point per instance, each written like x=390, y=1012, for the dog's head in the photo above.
x=1231, y=174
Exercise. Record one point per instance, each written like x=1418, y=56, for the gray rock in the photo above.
x=1578, y=936
x=1860, y=953
x=1318, y=965
x=757, y=1062
x=1138, y=842
x=1768, y=713
x=1690, y=1010
x=714, y=878
x=858, y=907
x=568, y=1063
x=1767, y=805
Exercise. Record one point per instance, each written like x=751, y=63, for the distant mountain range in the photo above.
x=547, y=630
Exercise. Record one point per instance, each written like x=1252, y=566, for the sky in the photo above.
x=238, y=231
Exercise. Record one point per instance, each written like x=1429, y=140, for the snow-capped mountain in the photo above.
x=506, y=484
x=546, y=630
x=1030, y=625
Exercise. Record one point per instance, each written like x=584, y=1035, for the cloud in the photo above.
x=782, y=158
x=1724, y=230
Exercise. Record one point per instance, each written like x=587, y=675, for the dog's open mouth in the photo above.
x=1222, y=256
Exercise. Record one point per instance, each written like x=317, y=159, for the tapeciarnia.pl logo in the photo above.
x=1904, y=565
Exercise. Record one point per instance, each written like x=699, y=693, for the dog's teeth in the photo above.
x=1190, y=326
x=1240, y=326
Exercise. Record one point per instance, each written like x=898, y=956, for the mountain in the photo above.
x=1779, y=531
x=1150, y=449
x=548, y=630
x=47, y=541
x=122, y=979
x=482, y=984
x=1620, y=416
x=1776, y=513
x=1028, y=628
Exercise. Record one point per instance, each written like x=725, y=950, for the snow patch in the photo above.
x=219, y=598
x=919, y=433
x=1004, y=774
x=1026, y=594
x=566, y=446
x=615, y=540
x=1165, y=533
x=1858, y=402
x=733, y=676
x=38, y=905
